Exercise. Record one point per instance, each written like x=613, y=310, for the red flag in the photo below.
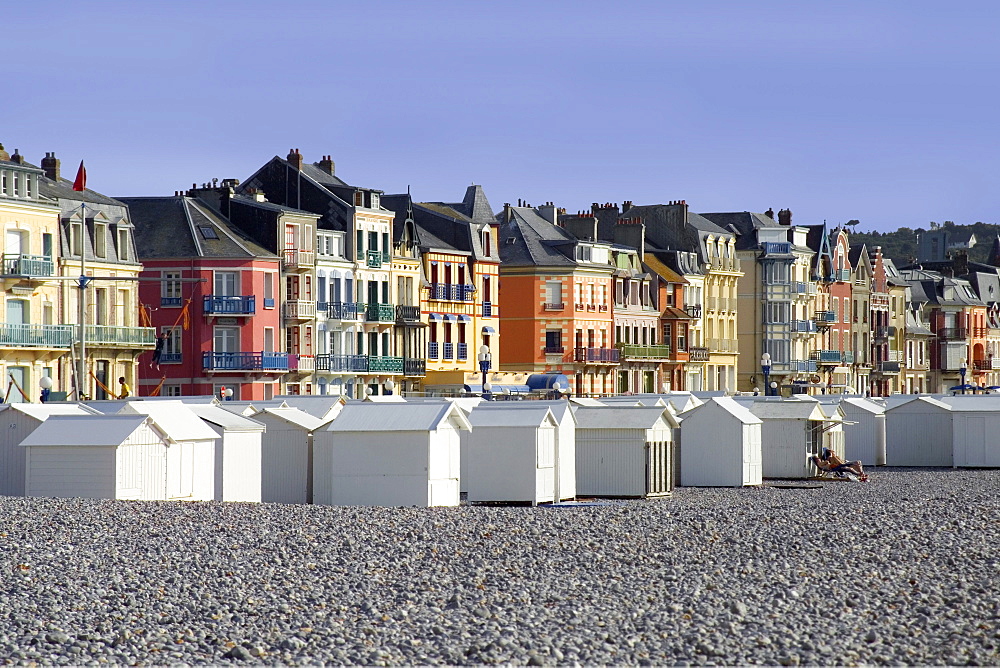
x=81, y=178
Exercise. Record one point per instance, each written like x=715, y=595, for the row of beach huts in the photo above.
x=396, y=451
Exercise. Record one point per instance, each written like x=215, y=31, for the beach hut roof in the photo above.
x=730, y=406
x=531, y=417
x=802, y=410
x=930, y=401
x=398, y=417
x=294, y=416
x=973, y=403
x=225, y=419
x=624, y=417
x=85, y=430
x=862, y=404
x=177, y=420
x=43, y=411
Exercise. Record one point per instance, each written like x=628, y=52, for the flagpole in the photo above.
x=80, y=185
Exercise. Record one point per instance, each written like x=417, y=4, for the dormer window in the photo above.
x=359, y=198
x=27, y=185
x=123, y=245
x=374, y=201
x=100, y=240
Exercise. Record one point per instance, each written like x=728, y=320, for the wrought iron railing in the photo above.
x=698, y=354
x=28, y=265
x=244, y=361
x=462, y=351
x=487, y=309
x=385, y=364
x=632, y=351
x=299, y=309
x=36, y=336
x=597, y=355
x=407, y=313
x=111, y=335
x=414, y=367
x=170, y=301
x=230, y=304
x=342, y=311
x=373, y=259
x=449, y=351
x=380, y=313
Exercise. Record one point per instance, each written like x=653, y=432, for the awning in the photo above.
x=489, y=330
x=464, y=318
x=434, y=317
x=448, y=317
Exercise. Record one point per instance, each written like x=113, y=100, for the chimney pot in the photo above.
x=295, y=158
x=51, y=166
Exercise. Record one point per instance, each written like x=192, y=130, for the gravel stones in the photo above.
x=901, y=570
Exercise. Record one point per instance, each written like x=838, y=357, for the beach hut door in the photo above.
x=657, y=468
x=975, y=441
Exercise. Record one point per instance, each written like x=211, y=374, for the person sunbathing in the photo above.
x=829, y=461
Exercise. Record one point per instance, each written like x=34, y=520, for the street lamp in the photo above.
x=487, y=389
x=485, y=360
x=961, y=370
x=46, y=384
x=774, y=388
x=388, y=385
x=227, y=393
x=765, y=367
x=756, y=390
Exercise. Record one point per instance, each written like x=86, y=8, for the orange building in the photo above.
x=556, y=285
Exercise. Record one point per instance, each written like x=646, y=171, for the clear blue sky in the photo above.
x=881, y=111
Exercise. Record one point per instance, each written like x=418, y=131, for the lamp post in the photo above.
x=388, y=385
x=46, y=384
x=961, y=371
x=227, y=393
x=485, y=360
x=774, y=388
x=765, y=367
x=487, y=391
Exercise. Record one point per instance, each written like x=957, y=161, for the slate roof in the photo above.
x=663, y=229
x=536, y=240
x=84, y=430
x=168, y=227
x=744, y=224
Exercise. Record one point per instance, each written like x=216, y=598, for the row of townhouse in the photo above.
x=53, y=234
x=295, y=281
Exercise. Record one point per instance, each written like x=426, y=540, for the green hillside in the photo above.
x=901, y=245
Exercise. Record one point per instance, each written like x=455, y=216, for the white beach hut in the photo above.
x=192, y=438
x=390, y=455
x=322, y=406
x=287, y=454
x=565, y=459
x=919, y=432
x=624, y=451
x=511, y=455
x=975, y=425
x=791, y=431
x=864, y=431
x=720, y=445
x=106, y=457
x=17, y=421
x=237, y=454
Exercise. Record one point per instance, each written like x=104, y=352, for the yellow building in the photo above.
x=32, y=340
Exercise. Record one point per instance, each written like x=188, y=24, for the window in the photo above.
x=171, y=345
x=375, y=201
x=584, y=253
x=268, y=290
x=76, y=239
x=359, y=198
x=553, y=292
x=100, y=240
x=17, y=184
x=123, y=254
x=778, y=350
x=681, y=337
x=3, y=183
x=171, y=391
x=172, y=286
x=27, y=185
x=553, y=341
x=667, y=331
x=226, y=283
x=487, y=243
x=777, y=312
x=269, y=339
x=208, y=232
x=226, y=340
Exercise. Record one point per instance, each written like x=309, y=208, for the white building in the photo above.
x=18, y=421
x=511, y=455
x=720, y=445
x=237, y=454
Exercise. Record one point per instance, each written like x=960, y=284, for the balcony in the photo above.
x=978, y=332
x=229, y=305
x=110, y=335
x=597, y=355
x=554, y=350
x=826, y=357
x=407, y=313
x=385, y=364
x=602, y=308
x=842, y=275
x=268, y=302
x=952, y=333
x=299, y=309
x=640, y=352
x=803, y=366
x=698, y=354
x=171, y=358
x=803, y=326
x=451, y=292
x=553, y=306
x=487, y=309
x=244, y=361
x=28, y=265
x=824, y=319
x=988, y=364
x=693, y=310
x=373, y=259
x=342, y=311
x=463, y=351
x=170, y=301
x=433, y=350
x=380, y=313
x=887, y=368
x=35, y=336
x=340, y=363
x=848, y=357
x=298, y=258
x=776, y=248
x=448, y=350
x=414, y=367
x=301, y=363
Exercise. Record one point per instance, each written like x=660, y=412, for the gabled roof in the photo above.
x=293, y=416
x=225, y=419
x=728, y=405
x=533, y=417
x=85, y=430
x=536, y=241
x=630, y=417
x=560, y=408
x=861, y=404
x=398, y=417
x=798, y=410
x=317, y=405
x=177, y=420
x=744, y=224
x=172, y=227
x=63, y=190
x=44, y=411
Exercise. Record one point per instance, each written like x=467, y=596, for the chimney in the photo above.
x=549, y=212
x=506, y=212
x=51, y=166
x=960, y=262
x=785, y=217
x=632, y=233
x=17, y=157
x=4, y=155
x=769, y=213
x=626, y=205
x=583, y=226
x=326, y=164
x=295, y=158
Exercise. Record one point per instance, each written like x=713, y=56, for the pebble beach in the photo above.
x=902, y=570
